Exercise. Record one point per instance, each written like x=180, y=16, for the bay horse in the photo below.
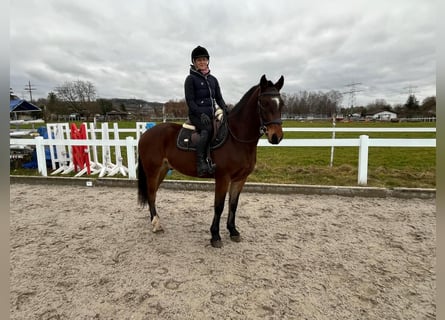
x=257, y=113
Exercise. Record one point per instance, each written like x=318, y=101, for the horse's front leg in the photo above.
x=235, y=191
x=221, y=187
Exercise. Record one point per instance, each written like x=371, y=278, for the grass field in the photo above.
x=387, y=167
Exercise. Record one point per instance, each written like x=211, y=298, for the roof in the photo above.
x=21, y=105
x=385, y=112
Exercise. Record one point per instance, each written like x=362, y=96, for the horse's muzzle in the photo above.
x=274, y=133
x=275, y=139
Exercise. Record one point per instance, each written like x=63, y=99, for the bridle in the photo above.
x=263, y=124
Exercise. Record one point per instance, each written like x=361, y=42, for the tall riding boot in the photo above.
x=201, y=154
x=211, y=165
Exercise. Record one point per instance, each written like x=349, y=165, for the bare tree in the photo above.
x=306, y=103
x=78, y=95
x=176, y=109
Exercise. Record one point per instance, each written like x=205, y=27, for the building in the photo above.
x=384, y=116
x=20, y=109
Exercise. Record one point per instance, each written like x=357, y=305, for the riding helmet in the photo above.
x=199, y=52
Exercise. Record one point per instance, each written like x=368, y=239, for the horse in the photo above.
x=257, y=113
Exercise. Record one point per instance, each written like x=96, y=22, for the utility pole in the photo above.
x=164, y=116
x=410, y=89
x=351, y=93
x=29, y=88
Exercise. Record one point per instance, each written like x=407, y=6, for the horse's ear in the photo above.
x=263, y=82
x=279, y=83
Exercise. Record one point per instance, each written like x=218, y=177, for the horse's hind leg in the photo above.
x=153, y=183
x=154, y=217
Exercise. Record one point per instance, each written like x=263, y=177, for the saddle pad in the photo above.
x=188, y=137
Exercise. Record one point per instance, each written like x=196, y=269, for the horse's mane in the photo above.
x=244, y=99
x=247, y=95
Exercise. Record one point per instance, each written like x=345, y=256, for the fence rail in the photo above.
x=335, y=129
x=363, y=142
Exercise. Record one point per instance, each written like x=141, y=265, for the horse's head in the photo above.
x=270, y=105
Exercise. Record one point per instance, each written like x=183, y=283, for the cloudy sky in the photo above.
x=141, y=48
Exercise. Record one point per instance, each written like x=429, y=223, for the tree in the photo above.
x=78, y=95
x=104, y=105
x=176, y=109
x=428, y=107
x=377, y=106
x=412, y=107
x=317, y=104
x=334, y=99
x=54, y=106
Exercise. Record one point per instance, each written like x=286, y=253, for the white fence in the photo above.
x=363, y=142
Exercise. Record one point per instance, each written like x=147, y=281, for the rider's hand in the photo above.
x=219, y=114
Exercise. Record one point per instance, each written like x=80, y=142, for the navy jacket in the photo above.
x=201, y=93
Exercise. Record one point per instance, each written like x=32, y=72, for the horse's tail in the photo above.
x=142, y=185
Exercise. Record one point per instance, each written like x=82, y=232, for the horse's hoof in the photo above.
x=216, y=243
x=156, y=224
x=235, y=238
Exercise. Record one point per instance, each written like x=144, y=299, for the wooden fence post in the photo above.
x=40, y=154
x=131, y=159
x=363, y=160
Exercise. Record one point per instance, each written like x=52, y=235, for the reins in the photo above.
x=241, y=140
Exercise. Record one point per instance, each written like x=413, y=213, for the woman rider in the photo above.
x=202, y=95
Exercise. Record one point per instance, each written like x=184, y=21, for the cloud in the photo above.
x=142, y=49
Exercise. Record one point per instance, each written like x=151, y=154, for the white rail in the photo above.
x=363, y=143
x=65, y=143
x=336, y=129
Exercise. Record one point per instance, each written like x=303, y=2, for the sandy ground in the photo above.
x=89, y=253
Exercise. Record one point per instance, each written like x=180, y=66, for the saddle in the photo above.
x=188, y=137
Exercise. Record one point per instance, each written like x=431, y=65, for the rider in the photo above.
x=202, y=95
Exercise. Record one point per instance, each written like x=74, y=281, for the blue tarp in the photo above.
x=17, y=105
x=33, y=163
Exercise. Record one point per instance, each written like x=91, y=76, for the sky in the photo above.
x=141, y=49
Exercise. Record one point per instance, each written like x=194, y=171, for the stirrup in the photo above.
x=211, y=166
x=202, y=168
x=202, y=173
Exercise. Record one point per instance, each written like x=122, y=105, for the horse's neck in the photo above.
x=247, y=123
x=252, y=114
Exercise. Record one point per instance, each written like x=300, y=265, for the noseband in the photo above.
x=264, y=124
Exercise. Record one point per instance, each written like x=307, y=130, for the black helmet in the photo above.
x=199, y=52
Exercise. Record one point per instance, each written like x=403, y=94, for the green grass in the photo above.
x=387, y=167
